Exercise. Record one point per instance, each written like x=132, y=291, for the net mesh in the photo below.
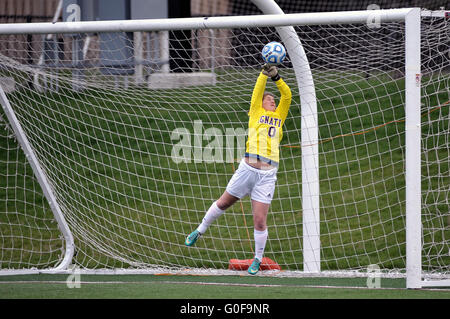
x=136, y=147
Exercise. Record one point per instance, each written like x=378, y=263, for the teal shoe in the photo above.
x=192, y=238
x=254, y=267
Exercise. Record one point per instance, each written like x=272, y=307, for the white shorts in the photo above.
x=258, y=183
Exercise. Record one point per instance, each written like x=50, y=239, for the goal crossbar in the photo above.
x=272, y=20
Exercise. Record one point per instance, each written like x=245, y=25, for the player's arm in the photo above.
x=258, y=92
x=286, y=94
x=285, y=100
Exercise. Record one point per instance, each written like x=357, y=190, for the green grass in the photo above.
x=206, y=287
x=108, y=156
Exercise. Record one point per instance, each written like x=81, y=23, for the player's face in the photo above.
x=268, y=103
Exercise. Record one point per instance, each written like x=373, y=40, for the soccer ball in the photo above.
x=273, y=53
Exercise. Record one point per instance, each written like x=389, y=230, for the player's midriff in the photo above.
x=256, y=163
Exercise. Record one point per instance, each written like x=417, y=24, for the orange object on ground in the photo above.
x=243, y=264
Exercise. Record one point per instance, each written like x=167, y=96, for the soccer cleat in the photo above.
x=254, y=267
x=192, y=238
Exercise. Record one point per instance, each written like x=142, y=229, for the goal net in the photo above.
x=137, y=133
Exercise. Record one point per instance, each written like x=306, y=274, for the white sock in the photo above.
x=260, y=242
x=211, y=215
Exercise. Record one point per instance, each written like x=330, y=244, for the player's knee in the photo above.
x=225, y=201
x=222, y=205
x=260, y=224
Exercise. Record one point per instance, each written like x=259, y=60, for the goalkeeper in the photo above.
x=257, y=172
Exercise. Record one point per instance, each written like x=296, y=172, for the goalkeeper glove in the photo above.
x=271, y=71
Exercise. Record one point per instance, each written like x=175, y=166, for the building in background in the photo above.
x=141, y=54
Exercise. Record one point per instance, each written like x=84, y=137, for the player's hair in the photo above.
x=267, y=93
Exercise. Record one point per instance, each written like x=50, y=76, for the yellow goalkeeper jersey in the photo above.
x=266, y=127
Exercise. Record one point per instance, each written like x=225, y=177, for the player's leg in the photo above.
x=261, y=196
x=226, y=200
x=215, y=211
x=238, y=187
x=260, y=211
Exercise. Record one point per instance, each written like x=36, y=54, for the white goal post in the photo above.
x=54, y=184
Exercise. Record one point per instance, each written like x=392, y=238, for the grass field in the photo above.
x=206, y=287
x=186, y=296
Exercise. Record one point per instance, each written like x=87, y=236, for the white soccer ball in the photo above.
x=273, y=53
